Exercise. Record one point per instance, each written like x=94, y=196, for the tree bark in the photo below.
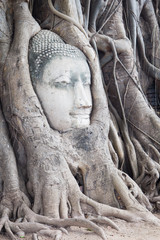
x=116, y=159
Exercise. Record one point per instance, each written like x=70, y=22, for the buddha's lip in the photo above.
x=80, y=114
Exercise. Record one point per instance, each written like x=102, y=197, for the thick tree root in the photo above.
x=34, y=223
x=135, y=202
x=150, y=168
x=103, y=220
x=132, y=214
x=30, y=222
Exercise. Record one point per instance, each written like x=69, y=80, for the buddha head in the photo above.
x=61, y=78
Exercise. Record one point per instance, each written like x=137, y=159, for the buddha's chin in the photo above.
x=76, y=122
x=81, y=122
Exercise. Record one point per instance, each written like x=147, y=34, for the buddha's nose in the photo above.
x=82, y=98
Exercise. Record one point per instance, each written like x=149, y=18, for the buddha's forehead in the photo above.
x=63, y=63
x=66, y=67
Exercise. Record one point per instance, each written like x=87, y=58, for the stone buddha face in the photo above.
x=63, y=88
x=65, y=93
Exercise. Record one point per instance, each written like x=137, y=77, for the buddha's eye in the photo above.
x=62, y=81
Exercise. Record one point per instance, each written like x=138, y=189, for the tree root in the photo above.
x=130, y=194
x=150, y=169
x=113, y=154
x=155, y=153
x=116, y=142
x=129, y=146
x=134, y=213
x=134, y=191
x=103, y=220
x=66, y=17
x=34, y=223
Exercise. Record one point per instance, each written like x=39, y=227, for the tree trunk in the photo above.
x=109, y=168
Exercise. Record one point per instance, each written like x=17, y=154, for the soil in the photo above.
x=128, y=231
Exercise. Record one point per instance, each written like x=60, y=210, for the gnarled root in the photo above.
x=30, y=222
x=135, y=202
x=150, y=168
